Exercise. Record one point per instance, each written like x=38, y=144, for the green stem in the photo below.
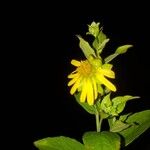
x=97, y=122
x=100, y=123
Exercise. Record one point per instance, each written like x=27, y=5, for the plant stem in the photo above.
x=100, y=123
x=97, y=122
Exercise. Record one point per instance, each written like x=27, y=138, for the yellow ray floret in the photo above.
x=87, y=78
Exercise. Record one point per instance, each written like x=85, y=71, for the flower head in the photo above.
x=88, y=76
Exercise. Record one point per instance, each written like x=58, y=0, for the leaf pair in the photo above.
x=100, y=141
x=91, y=141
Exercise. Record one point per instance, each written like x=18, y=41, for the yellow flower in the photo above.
x=87, y=77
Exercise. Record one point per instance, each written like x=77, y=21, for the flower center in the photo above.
x=85, y=68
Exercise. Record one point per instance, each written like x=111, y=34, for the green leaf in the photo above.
x=124, y=117
x=142, y=121
x=118, y=126
x=110, y=57
x=106, y=104
x=123, y=49
x=118, y=103
x=93, y=29
x=113, y=123
x=86, y=106
x=58, y=143
x=100, y=42
x=86, y=48
x=120, y=50
x=101, y=47
x=101, y=141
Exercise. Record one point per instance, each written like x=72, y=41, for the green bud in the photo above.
x=94, y=29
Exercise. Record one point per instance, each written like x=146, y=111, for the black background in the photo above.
x=44, y=43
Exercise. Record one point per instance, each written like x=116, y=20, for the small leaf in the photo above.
x=120, y=50
x=106, y=104
x=124, y=117
x=110, y=58
x=101, y=37
x=58, y=143
x=101, y=141
x=100, y=42
x=86, y=106
x=118, y=126
x=101, y=47
x=142, y=119
x=123, y=49
x=86, y=48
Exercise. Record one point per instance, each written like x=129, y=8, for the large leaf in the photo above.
x=101, y=141
x=90, y=109
x=58, y=143
x=86, y=48
x=142, y=123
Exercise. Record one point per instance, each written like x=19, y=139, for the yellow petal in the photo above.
x=107, y=73
x=71, y=82
x=90, y=96
x=73, y=75
x=107, y=83
x=84, y=91
x=75, y=63
x=75, y=86
x=95, y=88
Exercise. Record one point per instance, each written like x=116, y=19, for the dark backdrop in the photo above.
x=45, y=45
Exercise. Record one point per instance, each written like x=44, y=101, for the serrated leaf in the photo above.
x=123, y=49
x=101, y=141
x=142, y=120
x=118, y=103
x=86, y=106
x=124, y=117
x=106, y=104
x=118, y=126
x=86, y=48
x=58, y=143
